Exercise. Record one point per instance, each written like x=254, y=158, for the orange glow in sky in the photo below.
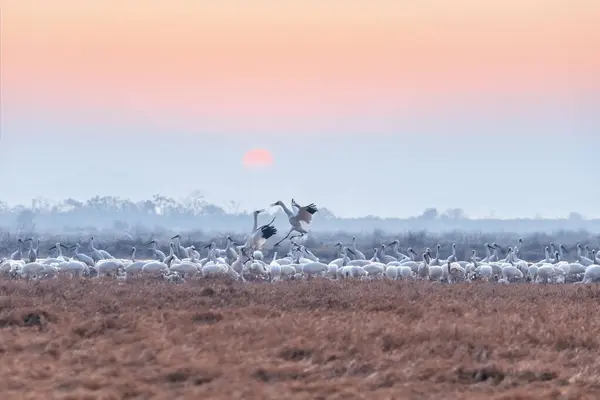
x=258, y=158
x=296, y=59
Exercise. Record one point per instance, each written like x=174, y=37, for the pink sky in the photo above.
x=300, y=60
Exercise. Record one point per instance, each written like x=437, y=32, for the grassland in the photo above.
x=298, y=340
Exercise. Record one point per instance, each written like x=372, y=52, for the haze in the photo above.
x=369, y=108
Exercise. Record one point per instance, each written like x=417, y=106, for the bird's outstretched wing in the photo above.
x=295, y=206
x=305, y=213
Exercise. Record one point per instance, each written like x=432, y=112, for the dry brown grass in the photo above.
x=301, y=340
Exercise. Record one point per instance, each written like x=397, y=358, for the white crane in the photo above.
x=159, y=255
x=80, y=256
x=33, y=251
x=358, y=255
x=103, y=254
x=180, y=251
x=58, y=247
x=258, y=238
x=17, y=255
x=302, y=217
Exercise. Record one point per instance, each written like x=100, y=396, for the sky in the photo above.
x=375, y=107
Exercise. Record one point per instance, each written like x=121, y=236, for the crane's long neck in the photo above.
x=547, y=252
x=303, y=253
x=374, y=258
x=133, y=255
x=380, y=252
x=20, y=247
x=514, y=256
x=344, y=255
x=354, y=244
x=287, y=210
x=274, y=257
x=255, y=226
x=552, y=248
x=58, y=250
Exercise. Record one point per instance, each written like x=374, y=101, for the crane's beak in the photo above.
x=52, y=248
x=260, y=211
x=207, y=246
x=64, y=247
x=351, y=252
x=176, y=236
x=413, y=252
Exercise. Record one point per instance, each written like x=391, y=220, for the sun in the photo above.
x=258, y=158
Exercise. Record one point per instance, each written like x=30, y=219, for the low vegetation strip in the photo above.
x=311, y=339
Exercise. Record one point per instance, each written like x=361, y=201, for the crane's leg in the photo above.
x=286, y=236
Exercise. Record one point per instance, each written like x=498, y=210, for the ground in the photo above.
x=300, y=340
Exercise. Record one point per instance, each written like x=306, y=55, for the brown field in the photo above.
x=301, y=340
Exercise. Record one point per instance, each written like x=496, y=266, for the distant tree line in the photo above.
x=193, y=213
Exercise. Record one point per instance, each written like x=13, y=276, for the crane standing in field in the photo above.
x=299, y=220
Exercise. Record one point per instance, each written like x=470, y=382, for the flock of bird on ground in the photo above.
x=246, y=261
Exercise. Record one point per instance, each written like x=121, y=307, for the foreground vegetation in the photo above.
x=301, y=340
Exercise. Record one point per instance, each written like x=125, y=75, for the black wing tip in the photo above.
x=312, y=208
x=268, y=231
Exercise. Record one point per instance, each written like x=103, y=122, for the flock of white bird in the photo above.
x=246, y=261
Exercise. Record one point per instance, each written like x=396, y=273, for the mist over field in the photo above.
x=118, y=224
x=115, y=214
